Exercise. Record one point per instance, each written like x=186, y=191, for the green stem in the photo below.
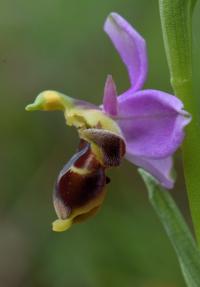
x=176, y=21
x=177, y=230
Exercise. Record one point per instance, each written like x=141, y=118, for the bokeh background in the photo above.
x=60, y=45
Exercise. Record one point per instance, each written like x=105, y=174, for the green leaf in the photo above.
x=176, y=20
x=176, y=229
x=193, y=3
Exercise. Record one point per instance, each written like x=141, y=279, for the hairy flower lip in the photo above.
x=79, y=193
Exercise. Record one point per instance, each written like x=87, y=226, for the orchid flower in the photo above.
x=144, y=126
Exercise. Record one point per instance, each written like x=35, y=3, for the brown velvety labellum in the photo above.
x=111, y=144
x=81, y=180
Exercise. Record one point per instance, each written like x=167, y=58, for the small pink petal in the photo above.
x=110, y=97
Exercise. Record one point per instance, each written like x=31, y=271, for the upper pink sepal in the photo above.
x=130, y=46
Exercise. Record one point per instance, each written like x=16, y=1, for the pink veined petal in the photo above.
x=161, y=169
x=152, y=123
x=131, y=47
x=110, y=97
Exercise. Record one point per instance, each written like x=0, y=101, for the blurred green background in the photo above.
x=60, y=45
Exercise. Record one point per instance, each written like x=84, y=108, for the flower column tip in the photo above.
x=51, y=100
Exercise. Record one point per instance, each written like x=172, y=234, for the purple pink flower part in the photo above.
x=152, y=122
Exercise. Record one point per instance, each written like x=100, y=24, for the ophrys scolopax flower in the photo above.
x=144, y=126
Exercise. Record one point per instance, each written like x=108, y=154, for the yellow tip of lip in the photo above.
x=60, y=225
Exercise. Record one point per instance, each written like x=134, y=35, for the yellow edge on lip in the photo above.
x=60, y=225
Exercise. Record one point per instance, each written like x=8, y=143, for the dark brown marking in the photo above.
x=111, y=144
x=76, y=190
